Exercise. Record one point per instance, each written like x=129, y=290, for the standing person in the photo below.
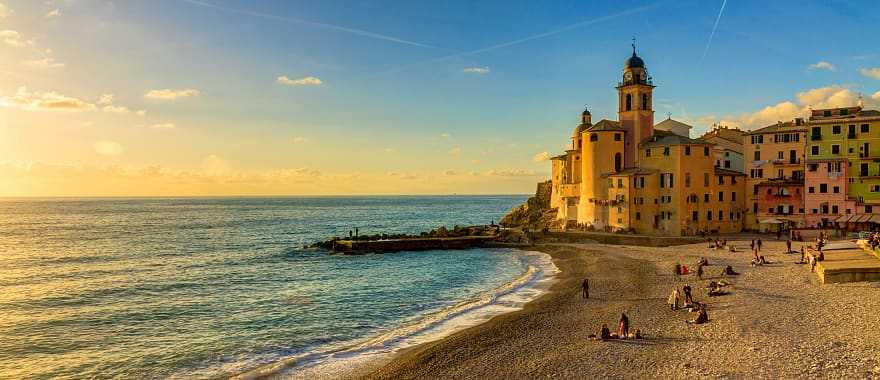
x=687, y=294
x=755, y=253
x=673, y=299
x=752, y=246
x=623, y=326
x=700, y=271
x=356, y=232
x=803, y=253
x=788, y=246
x=759, y=245
x=585, y=287
x=779, y=233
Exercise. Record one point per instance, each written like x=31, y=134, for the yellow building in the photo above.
x=625, y=175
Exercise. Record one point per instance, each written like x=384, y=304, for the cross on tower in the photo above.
x=634, y=45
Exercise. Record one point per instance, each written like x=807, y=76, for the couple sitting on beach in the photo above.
x=622, y=331
x=702, y=314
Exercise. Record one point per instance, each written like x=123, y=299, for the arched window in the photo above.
x=618, y=163
x=629, y=102
x=644, y=101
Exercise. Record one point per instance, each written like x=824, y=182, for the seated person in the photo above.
x=701, y=318
x=605, y=333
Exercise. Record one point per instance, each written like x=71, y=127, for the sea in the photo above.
x=153, y=288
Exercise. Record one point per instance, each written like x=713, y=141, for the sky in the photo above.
x=211, y=97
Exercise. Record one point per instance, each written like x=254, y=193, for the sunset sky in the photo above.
x=209, y=97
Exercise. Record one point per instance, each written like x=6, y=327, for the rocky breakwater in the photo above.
x=440, y=238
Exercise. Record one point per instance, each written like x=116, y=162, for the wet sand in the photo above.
x=777, y=322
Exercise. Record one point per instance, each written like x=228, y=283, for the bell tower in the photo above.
x=635, y=106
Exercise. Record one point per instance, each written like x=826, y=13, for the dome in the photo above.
x=586, y=112
x=633, y=61
x=581, y=128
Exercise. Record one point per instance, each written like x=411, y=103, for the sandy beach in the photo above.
x=777, y=322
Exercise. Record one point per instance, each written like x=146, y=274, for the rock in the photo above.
x=536, y=213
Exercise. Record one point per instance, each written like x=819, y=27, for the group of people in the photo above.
x=675, y=303
x=622, y=330
x=874, y=240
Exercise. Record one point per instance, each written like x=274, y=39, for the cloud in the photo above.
x=873, y=72
x=53, y=13
x=876, y=96
x=163, y=126
x=14, y=39
x=108, y=148
x=449, y=172
x=105, y=99
x=170, y=94
x=4, y=11
x=141, y=112
x=116, y=109
x=476, y=70
x=816, y=98
x=406, y=176
x=300, y=140
x=445, y=135
x=45, y=63
x=541, y=157
x=306, y=81
x=512, y=173
x=51, y=100
x=456, y=151
x=389, y=150
x=822, y=65
x=213, y=165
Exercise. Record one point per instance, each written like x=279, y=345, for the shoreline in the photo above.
x=368, y=354
x=777, y=322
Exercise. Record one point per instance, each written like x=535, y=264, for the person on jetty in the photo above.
x=623, y=326
x=673, y=299
x=585, y=288
x=687, y=294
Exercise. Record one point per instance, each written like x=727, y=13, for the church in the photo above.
x=634, y=176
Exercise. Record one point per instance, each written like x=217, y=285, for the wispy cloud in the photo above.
x=541, y=157
x=163, y=126
x=873, y=72
x=300, y=140
x=306, y=81
x=53, y=13
x=108, y=148
x=445, y=135
x=714, y=28
x=27, y=100
x=14, y=39
x=822, y=65
x=45, y=63
x=171, y=94
x=476, y=70
x=322, y=25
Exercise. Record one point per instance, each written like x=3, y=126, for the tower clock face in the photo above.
x=628, y=75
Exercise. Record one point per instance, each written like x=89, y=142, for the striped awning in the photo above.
x=844, y=218
x=864, y=218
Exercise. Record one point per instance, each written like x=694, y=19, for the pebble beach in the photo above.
x=776, y=321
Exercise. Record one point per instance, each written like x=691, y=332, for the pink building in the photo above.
x=826, y=188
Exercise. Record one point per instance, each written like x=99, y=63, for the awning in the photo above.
x=875, y=219
x=844, y=218
x=771, y=221
x=864, y=218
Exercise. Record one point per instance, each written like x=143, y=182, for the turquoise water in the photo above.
x=208, y=287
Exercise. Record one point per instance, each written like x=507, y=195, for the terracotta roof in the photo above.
x=787, y=126
x=664, y=138
x=728, y=172
x=668, y=124
x=606, y=125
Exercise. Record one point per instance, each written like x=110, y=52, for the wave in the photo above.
x=339, y=360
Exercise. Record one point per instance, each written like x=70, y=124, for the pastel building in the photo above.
x=843, y=168
x=632, y=175
x=774, y=164
x=728, y=147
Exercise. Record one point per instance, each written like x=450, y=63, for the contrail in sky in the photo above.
x=530, y=38
x=294, y=20
x=711, y=35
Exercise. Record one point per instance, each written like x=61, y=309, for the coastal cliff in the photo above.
x=535, y=213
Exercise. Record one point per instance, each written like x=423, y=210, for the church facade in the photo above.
x=632, y=175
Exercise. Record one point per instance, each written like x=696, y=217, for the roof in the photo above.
x=606, y=125
x=787, y=126
x=669, y=124
x=663, y=138
x=559, y=157
x=721, y=171
x=869, y=113
x=734, y=135
x=581, y=128
x=634, y=61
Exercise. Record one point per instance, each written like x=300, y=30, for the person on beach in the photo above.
x=787, y=246
x=687, y=294
x=702, y=317
x=803, y=253
x=623, y=326
x=585, y=287
x=604, y=333
x=700, y=271
x=758, y=243
x=673, y=299
x=752, y=246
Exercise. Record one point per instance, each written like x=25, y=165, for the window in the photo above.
x=757, y=155
x=733, y=196
x=706, y=179
x=665, y=150
x=638, y=216
x=814, y=150
x=758, y=139
x=594, y=137
x=844, y=112
x=812, y=167
x=695, y=216
x=811, y=190
x=875, y=188
x=823, y=188
x=865, y=128
x=863, y=170
x=826, y=113
x=687, y=151
x=757, y=173
x=835, y=149
x=780, y=155
x=666, y=180
x=647, y=152
x=721, y=180
x=720, y=215
x=706, y=151
x=629, y=101
x=869, y=209
x=755, y=208
x=709, y=215
x=620, y=183
x=835, y=190
x=644, y=101
x=834, y=209
x=835, y=130
x=706, y=198
x=720, y=196
x=687, y=179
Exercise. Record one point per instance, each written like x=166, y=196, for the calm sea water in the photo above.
x=207, y=287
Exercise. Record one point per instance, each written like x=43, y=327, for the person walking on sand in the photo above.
x=803, y=253
x=623, y=326
x=673, y=299
x=700, y=271
x=759, y=245
x=687, y=294
x=788, y=246
x=752, y=246
x=585, y=288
